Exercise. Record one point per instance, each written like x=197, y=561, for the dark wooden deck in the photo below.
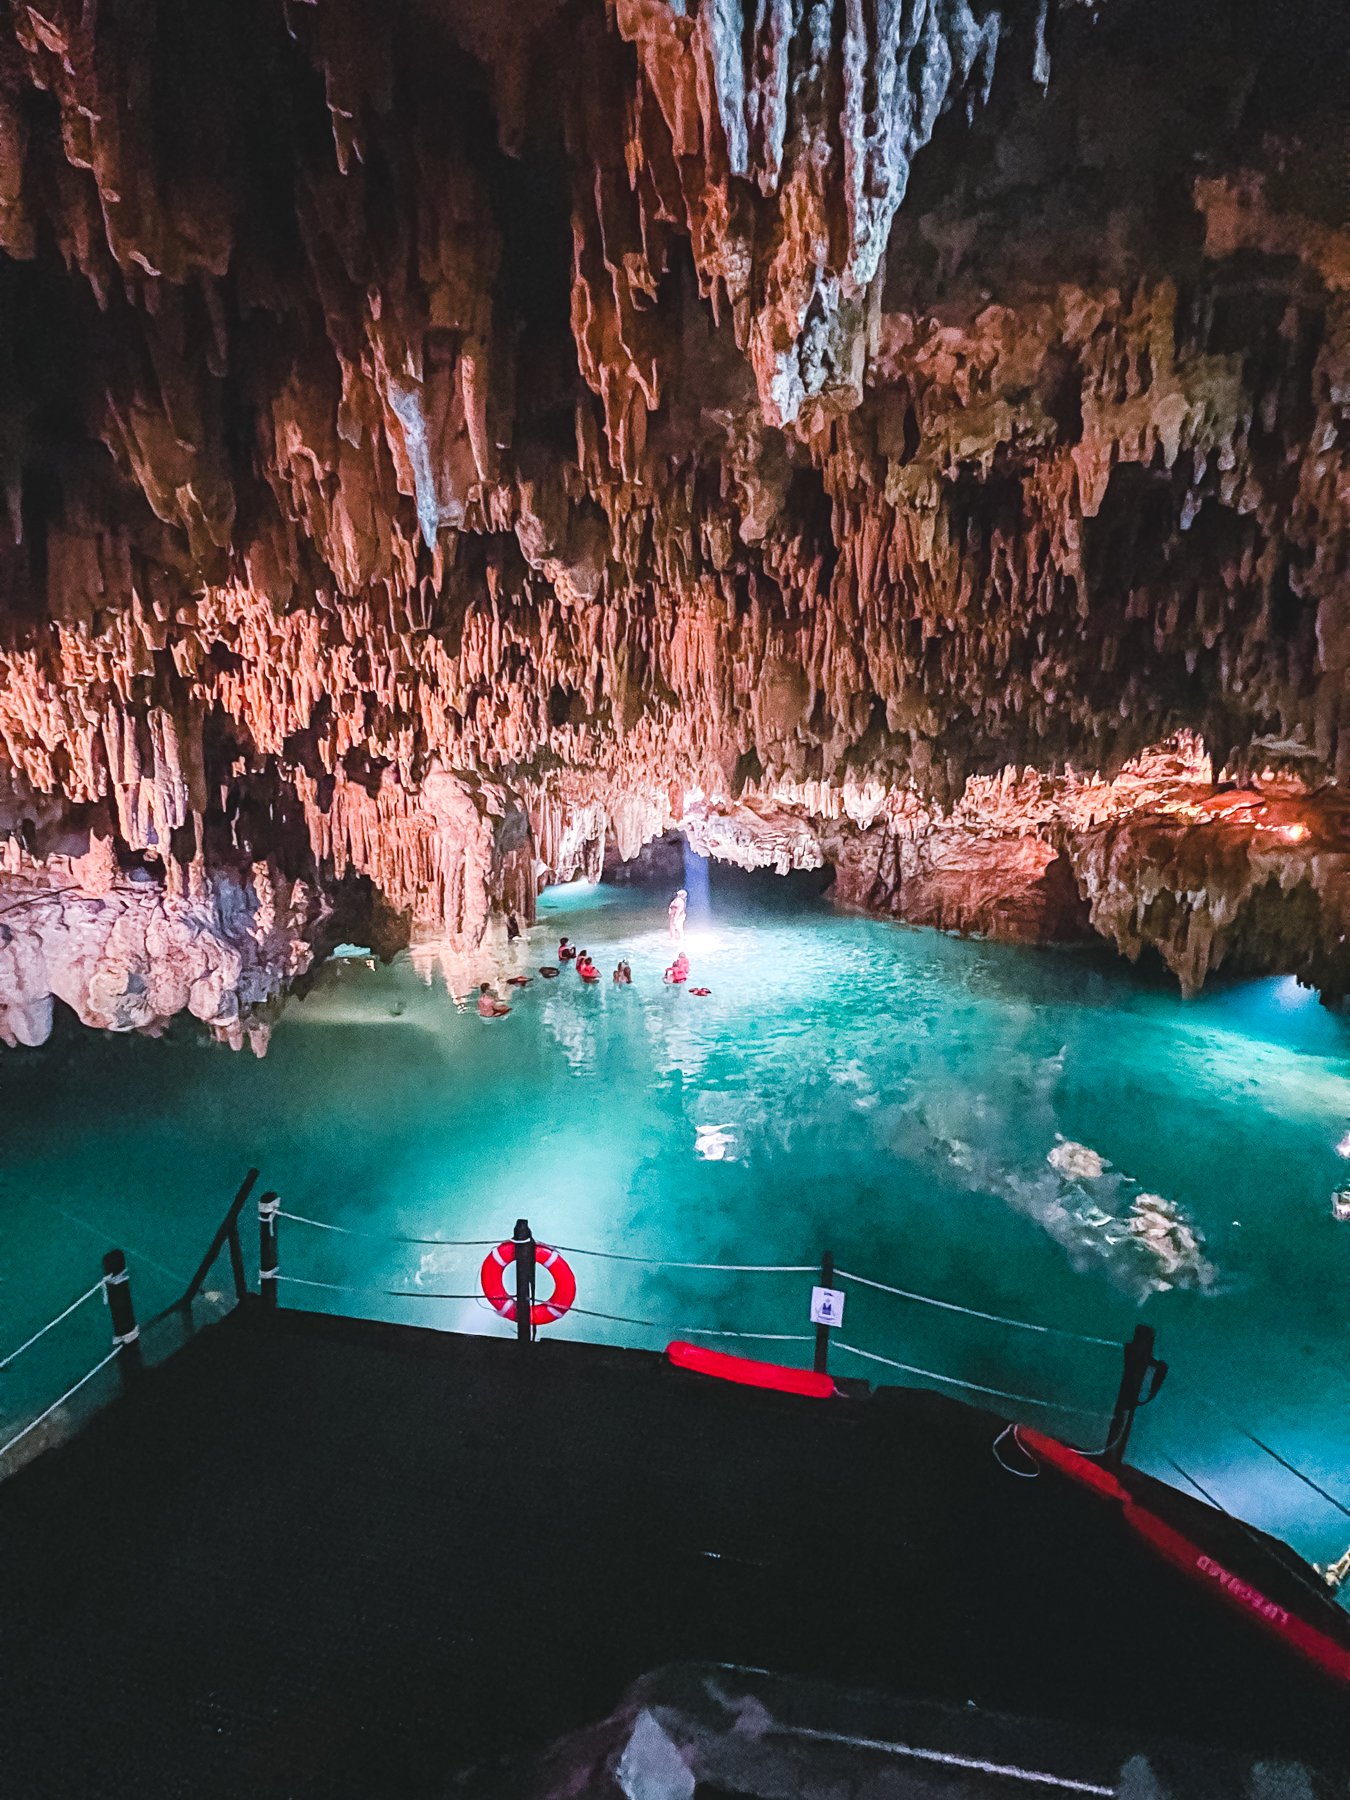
x=319, y=1556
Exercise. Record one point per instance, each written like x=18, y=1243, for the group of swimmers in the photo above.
x=568, y=953
x=492, y=1006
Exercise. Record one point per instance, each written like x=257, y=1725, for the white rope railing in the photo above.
x=661, y=1262
x=392, y=1237
x=338, y=1287
x=33, y=1424
x=973, y=1312
x=768, y=1337
x=975, y=1387
x=74, y=1306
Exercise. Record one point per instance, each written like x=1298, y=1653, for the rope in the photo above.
x=19, y=1436
x=1080, y=1337
x=1313, y=1587
x=337, y=1287
x=28, y=1345
x=659, y=1262
x=1284, y=1463
x=392, y=1237
x=975, y=1387
x=1008, y=1469
x=768, y=1337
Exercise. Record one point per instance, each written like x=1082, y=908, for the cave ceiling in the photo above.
x=441, y=440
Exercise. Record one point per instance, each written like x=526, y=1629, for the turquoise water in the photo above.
x=892, y=1096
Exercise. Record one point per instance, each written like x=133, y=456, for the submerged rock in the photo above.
x=1076, y=1160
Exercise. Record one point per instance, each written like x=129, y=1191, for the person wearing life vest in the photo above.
x=566, y=952
x=678, y=972
x=489, y=1006
x=585, y=967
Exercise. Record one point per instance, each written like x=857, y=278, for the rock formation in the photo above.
x=438, y=445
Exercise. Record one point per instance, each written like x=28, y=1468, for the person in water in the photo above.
x=566, y=952
x=623, y=974
x=678, y=907
x=489, y=1006
x=678, y=971
x=586, y=968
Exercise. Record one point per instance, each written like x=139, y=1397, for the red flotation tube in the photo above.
x=543, y=1312
x=746, y=1373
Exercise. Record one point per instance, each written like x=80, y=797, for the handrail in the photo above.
x=226, y=1231
x=1140, y=1368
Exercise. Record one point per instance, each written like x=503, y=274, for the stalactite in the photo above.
x=438, y=454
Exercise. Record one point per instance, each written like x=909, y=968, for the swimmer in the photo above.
x=489, y=1006
x=566, y=952
x=678, y=972
x=623, y=975
x=586, y=968
x=675, y=915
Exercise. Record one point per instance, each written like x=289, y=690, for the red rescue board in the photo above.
x=1315, y=1645
x=1191, y=1559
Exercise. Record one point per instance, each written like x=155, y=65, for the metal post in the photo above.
x=1141, y=1366
x=268, y=1207
x=821, y=1364
x=237, y=1264
x=126, y=1333
x=524, y=1243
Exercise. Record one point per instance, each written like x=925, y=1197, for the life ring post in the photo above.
x=521, y=1308
x=523, y=1239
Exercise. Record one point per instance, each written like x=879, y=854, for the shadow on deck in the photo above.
x=319, y=1555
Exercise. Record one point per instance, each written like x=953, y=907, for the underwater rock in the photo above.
x=1076, y=1160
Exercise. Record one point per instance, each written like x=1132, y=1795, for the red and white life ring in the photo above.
x=543, y=1312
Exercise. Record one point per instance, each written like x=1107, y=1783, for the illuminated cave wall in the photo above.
x=439, y=441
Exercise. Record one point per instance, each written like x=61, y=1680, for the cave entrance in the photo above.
x=670, y=861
